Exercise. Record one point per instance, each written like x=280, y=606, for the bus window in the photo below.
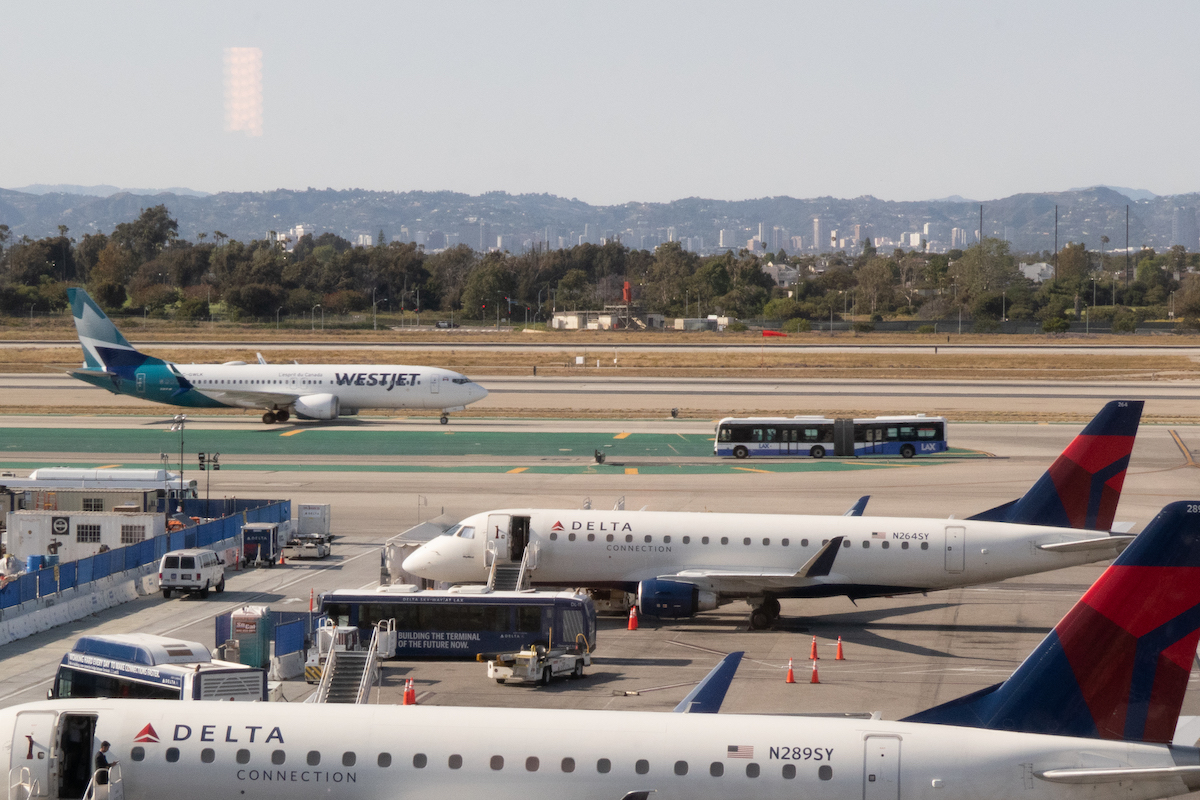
x=812, y=435
x=529, y=619
x=723, y=435
x=927, y=433
x=771, y=433
x=756, y=435
x=339, y=613
x=893, y=434
x=907, y=433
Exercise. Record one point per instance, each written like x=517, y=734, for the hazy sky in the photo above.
x=608, y=101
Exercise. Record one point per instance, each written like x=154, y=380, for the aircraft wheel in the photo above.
x=771, y=606
x=817, y=452
x=759, y=620
x=269, y=418
x=445, y=419
x=740, y=452
x=907, y=451
x=282, y=415
x=500, y=680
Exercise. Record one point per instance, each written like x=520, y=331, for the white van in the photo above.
x=192, y=571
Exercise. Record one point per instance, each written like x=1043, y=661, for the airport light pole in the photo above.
x=177, y=425
x=277, y=316
x=312, y=317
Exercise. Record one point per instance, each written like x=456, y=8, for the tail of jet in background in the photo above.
x=1117, y=666
x=109, y=360
x=1083, y=485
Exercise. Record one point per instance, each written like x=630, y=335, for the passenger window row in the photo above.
x=532, y=764
x=591, y=537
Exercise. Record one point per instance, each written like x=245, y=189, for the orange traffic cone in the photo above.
x=410, y=693
x=812, y=652
x=791, y=676
x=633, y=618
x=815, y=678
x=281, y=562
x=839, y=656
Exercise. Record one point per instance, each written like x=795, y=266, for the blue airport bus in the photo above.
x=142, y=666
x=817, y=437
x=466, y=621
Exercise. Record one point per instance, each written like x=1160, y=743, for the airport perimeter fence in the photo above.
x=78, y=574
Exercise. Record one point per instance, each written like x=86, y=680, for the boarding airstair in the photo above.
x=348, y=675
x=509, y=577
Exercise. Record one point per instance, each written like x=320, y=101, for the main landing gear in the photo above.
x=271, y=417
x=764, y=614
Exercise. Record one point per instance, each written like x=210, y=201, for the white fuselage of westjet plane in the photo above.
x=267, y=751
x=727, y=556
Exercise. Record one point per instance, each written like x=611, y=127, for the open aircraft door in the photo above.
x=497, y=535
x=956, y=548
x=881, y=768
x=32, y=748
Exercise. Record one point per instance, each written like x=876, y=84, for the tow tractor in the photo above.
x=539, y=664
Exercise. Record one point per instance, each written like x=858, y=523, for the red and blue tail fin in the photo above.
x=1083, y=485
x=1117, y=665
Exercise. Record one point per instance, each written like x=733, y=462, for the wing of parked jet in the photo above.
x=708, y=695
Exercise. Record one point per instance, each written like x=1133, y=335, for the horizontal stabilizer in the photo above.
x=1114, y=542
x=1117, y=774
x=820, y=564
x=858, y=508
x=708, y=695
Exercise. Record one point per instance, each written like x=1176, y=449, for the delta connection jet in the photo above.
x=1090, y=715
x=680, y=563
x=311, y=391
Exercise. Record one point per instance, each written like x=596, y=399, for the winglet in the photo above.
x=1117, y=665
x=708, y=695
x=858, y=508
x=1083, y=485
x=822, y=561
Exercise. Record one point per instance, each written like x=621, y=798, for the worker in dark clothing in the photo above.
x=102, y=763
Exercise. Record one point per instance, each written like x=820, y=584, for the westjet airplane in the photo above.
x=1090, y=714
x=311, y=391
x=680, y=563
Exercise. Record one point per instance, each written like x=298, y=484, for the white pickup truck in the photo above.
x=536, y=664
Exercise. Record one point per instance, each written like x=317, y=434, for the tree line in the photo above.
x=144, y=267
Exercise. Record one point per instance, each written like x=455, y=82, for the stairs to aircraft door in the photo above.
x=347, y=676
x=506, y=577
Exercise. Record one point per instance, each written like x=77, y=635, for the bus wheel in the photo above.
x=546, y=676
x=740, y=452
x=907, y=451
x=817, y=452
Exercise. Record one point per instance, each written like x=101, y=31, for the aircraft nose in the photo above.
x=478, y=392
x=418, y=562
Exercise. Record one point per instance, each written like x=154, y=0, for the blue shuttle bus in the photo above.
x=817, y=437
x=466, y=621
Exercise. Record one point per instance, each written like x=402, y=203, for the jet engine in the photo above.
x=317, y=406
x=673, y=599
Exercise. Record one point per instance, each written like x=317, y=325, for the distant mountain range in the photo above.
x=102, y=190
x=517, y=221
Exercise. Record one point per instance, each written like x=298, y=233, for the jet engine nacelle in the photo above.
x=317, y=406
x=673, y=599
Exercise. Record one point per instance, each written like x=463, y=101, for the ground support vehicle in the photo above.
x=536, y=664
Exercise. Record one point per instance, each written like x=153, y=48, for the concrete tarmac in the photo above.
x=903, y=654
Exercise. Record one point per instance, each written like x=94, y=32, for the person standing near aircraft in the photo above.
x=102, y=763
x=310, y=391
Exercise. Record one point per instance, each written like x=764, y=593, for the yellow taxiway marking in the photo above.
x=624, y=435
x=108, y=466
x=631, y=471
x=1187, y=454
x=518, y=469
x=751, y=469
x=293, y=433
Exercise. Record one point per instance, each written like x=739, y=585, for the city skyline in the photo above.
x=612, y=104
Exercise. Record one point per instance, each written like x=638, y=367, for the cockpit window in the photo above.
x=453, y=531
x=460, y=380
x=466, y=533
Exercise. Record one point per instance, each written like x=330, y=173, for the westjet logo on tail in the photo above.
x=146, y=734
x=389, y=379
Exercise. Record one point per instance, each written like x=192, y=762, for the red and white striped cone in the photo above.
x=791, y=676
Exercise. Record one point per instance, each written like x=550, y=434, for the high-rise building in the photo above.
x=725, y=238
x=817, y=239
